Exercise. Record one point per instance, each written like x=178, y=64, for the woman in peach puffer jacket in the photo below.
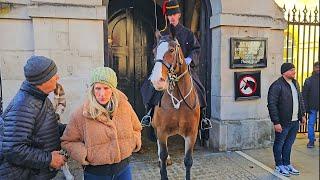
x=104, y=131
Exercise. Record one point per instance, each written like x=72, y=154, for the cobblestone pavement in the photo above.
x=207, y=165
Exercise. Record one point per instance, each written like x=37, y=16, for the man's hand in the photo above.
x=57, y=160
x=278, y=128
x=303, y=120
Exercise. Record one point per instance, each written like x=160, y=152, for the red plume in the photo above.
x=164, y=10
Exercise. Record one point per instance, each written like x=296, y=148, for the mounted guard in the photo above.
x=191, y=53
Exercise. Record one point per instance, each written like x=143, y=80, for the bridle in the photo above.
x=174, y=77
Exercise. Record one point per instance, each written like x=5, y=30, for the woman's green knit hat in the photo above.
x=104, y=75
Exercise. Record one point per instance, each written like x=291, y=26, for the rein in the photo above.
x=175, y=102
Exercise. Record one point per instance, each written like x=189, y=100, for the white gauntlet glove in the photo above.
x=188, y=60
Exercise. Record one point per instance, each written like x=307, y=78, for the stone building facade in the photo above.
x=72, y=33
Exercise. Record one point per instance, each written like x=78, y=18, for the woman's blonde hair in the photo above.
x=96, y=109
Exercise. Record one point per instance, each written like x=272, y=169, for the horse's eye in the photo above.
x=171, y=50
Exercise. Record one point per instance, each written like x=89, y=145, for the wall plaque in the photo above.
x=248, y=52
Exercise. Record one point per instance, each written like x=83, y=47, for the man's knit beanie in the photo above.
x=286, y=67
x=39, y=70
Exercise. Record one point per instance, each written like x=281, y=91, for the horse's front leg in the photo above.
x=163, y=155
x=169, y=160
x=188, y=161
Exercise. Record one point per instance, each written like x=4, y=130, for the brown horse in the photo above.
x=178, y=111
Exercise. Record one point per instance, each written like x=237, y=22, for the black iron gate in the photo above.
x=301, y=46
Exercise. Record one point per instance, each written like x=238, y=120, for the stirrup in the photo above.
x=146, y=120
x=207, y=121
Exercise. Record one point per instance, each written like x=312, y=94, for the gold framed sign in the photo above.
x=248, y=52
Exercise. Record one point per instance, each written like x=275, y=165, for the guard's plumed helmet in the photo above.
x=172, y=7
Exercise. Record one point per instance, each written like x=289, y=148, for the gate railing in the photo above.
x=301, y=46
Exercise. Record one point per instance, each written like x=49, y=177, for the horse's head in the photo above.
x=169, y=62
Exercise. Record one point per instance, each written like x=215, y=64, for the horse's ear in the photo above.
x=181, y=57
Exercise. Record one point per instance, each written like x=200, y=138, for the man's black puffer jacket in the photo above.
x=22, y=150
x=280, y=102
x=311, y=92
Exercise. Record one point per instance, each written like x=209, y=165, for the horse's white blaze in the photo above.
x=156, y=74
x=162, y=49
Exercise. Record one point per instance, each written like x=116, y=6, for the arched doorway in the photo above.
x=131, y=27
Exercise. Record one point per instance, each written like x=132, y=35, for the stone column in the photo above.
x=243, y=124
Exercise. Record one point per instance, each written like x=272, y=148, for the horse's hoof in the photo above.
x=169, y=162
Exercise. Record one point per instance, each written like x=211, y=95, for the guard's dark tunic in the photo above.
x=190, y=48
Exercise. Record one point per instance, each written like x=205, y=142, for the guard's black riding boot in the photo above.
x=146, y=119
x=205, y=125
x=205, y=122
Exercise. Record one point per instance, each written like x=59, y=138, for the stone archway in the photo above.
x=131, y=28
x=139, y=13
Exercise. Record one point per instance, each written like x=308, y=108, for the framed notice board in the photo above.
x=248, y=53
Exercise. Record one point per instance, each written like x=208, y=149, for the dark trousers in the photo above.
x=125, y=174
x=283, y=143
x=311, y=122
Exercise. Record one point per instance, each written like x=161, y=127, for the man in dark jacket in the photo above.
x=191, y=50
x=310, y=94
x=31, y=134
x=286, y=109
